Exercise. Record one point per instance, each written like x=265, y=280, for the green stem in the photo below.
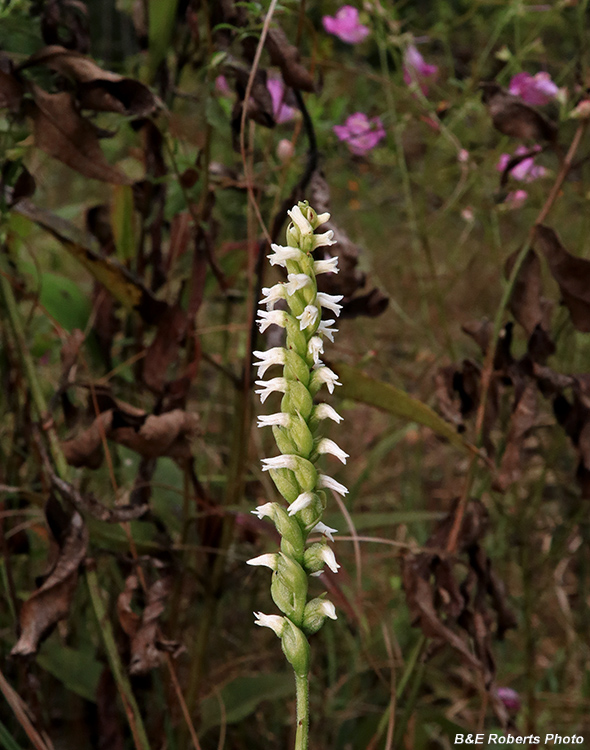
x=129, y=703
x=302, y=690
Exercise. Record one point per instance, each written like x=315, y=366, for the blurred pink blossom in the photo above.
x=222, y=86
x=417, y=70
x=345, y=25
x=536, y=90
x=526, y=170
x=281, y=111
x=359, y=133
x=510, y=698
x=515, y=199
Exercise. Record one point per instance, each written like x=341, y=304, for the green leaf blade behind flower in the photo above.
x=358, y=386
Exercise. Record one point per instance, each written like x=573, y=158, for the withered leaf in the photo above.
x=87, y=503
x=513, y=117
x=150, y=435
x=523, y=418
x=51, y=602
x=98, y=89
x=63, y=133
x=525, y=302
x=65, y=22
x=286, y=56
x=447, y=397
x=146, y=647
x=164, y=348
x=571, y=273
x=11, y=91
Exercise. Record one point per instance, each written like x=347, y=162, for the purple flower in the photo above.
x=345, y=25
x=526, y=170
x=222, y=86
x=281, y=111
x=516, y=199
x=416, y=70
x=536, y=90
x=359, y=133
x=510, y=698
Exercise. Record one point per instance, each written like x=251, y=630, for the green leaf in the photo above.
x=360, y=387
x=241, y=697
x=7, y=741
x=161, y=17
x=78, y=670
x=123, y=221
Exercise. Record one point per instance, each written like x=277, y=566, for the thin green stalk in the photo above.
x=302, y=691
x=130, y=704
x=27, y=361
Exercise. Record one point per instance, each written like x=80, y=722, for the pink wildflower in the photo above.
x=281, y=111
x=526, y=170
x=222, y=86
x=416, y=70
x=536, y=90
x=517, y=199
x=345, y=25
x=359, y=133
x=510, y=698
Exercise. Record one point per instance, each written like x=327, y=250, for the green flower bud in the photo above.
x=296, y=648
x=315, y=614
x=317, y=556
x=286, y=484
x=289, y=587
x=297, y=399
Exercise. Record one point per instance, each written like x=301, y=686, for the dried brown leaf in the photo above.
x=51, y=602
x=65, y=22
x=11, y=91
x=286, y=56
x=523, y=418
x=513, y=117
x=151, y=436
x=146, y=647
x=87, y=503
x=97, y=89
x=571, y=273
x=63, y=133
x=526, y=300
x=164, y=348
x=128, y=619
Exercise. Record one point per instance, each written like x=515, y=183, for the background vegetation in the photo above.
x=139, y=195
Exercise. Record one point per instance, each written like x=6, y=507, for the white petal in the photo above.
x=274, y=356
x=328, y=265
x=271, y=386
x=329, y=301
x=322, y=218
x=281, y=255
x=272, y=295
x=300, y=221
x=329, y=446
x=263, y=511
x=308, y=317
x=315, y=347
x=304, y=499
x=286, y=461
x=329, y=558
x=322, y=240
x=296, y=281
x=274, y=622
x=280, y=419
x=328, y=609
x=272, y=317
x=323, y=374
x=325, y=411
x=321, y=528
x=325, y=330
x=267, y=561
x=325, y=482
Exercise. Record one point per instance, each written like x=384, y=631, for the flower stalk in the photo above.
x=296, y=432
